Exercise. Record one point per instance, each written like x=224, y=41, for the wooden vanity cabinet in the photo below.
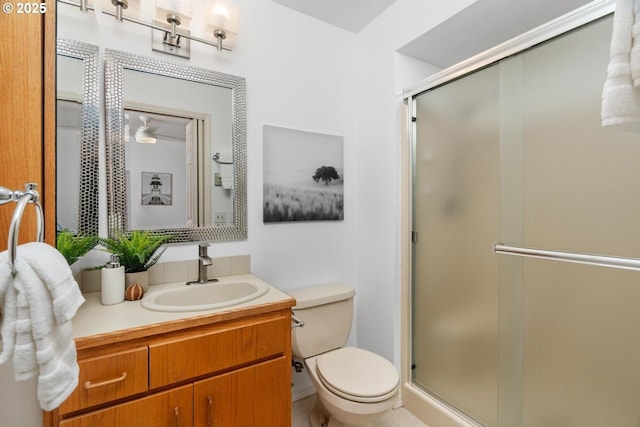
x=231, y=373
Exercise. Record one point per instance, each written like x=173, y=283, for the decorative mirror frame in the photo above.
x=115, y=64
x=88, y=218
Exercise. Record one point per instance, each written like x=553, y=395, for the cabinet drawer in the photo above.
x=109, y=377
x=172, y=408
x=213, y=350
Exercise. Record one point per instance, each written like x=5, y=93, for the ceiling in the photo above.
x=350, y=15
x=482, y=25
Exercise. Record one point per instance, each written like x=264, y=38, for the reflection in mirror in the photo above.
x=77, y=140
x=187, y=176
x=156, y=172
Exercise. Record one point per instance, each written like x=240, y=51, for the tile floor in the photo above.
x=394, y=418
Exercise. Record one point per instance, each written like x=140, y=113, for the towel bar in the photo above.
x=590, y=259
x=216, y=158
x=29, y=195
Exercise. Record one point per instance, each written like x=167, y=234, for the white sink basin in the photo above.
x=203, y=297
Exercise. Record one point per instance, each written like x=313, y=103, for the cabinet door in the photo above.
x=27, y=114
x=255, y=396
x=173, y=408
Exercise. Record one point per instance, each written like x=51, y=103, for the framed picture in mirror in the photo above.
x=156, y=189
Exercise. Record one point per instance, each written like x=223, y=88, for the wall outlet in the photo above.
x=220, y=218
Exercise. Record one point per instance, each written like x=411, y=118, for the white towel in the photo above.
x=620, y=100
x=25, y=364
x=53, y=270
x=225, y=162
x=634, y=58
x=8, y=309
x=226, y=176
x=47, y=298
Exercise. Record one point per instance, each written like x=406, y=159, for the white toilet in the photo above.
x=354, y=386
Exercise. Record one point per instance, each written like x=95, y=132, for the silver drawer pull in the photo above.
x=88, y=385
x=210, y=403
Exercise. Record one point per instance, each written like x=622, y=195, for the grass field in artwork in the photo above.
x=283, y=203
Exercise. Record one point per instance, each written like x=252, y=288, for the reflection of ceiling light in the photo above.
x=145, y=134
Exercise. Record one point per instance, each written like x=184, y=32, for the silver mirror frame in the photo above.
x=88, y=218
x=115, y=63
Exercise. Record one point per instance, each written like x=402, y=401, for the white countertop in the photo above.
x=93, y=318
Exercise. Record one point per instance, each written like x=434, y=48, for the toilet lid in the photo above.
x=357, y=374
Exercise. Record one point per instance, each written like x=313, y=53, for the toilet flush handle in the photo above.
x=297, y=323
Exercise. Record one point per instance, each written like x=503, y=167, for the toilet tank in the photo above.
x=327, y=312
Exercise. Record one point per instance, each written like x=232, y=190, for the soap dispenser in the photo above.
x=112, y=282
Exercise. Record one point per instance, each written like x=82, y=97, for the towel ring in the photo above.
x=216, y=158
x=30, y=195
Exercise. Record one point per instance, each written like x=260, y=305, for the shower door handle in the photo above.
x=589, y=259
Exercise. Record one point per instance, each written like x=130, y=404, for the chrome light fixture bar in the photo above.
x=171, y=35
x=83, y=5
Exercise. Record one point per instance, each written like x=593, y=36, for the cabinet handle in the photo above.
x=177, y=416
x=209, y=411
x=88, y=385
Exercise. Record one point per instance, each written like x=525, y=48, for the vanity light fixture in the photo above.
x=173, y=39
x=171, y=14
x=222, y=20
x=145, y=134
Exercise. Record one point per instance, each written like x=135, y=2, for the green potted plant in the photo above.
x=137, y=252
x=72, y=246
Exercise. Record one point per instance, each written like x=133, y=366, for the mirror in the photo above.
x=190, y=183
x=77, y=123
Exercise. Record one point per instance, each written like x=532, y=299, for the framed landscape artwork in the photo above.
x=303, y=176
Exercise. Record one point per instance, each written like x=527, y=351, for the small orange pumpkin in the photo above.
x=134, y=292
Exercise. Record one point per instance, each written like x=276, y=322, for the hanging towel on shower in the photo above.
x=634, y=58
x=620, y=100
x=46, y=299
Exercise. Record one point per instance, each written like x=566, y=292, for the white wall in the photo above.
x=308, y=75
x=378, y=176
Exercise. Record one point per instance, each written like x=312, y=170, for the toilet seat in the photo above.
x=357, y=375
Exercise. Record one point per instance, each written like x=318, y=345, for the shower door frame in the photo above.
x=428, y=408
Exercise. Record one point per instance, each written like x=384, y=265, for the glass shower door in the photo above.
x=456, y=216
x=515, y=153
x=580, y=345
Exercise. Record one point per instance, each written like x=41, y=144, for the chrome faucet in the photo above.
x=204, y=261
